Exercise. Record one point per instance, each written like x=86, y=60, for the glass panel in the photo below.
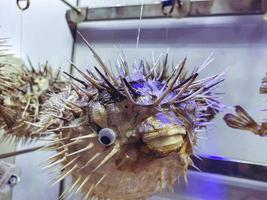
x=236, y=42
x=239, y=42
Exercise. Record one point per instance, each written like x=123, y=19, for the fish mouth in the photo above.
x=165, y=140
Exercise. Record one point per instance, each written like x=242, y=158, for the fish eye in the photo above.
x=107, y=136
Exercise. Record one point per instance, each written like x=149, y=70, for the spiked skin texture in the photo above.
x=129, y=136
x=22, y=93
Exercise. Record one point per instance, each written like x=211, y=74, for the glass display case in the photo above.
x=231, y=164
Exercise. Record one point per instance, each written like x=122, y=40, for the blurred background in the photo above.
x=237, y=42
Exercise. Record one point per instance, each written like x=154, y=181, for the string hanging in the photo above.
x=139, y=25
x=22, y=5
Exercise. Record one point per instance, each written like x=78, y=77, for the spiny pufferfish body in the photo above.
x=22, y=93
x=130, y=136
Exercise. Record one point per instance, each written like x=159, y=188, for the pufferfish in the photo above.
x=22, y=93
x=242, y=120
x=129, y=136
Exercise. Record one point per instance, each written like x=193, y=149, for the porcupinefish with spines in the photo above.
x=22, y=93
x=129, y=136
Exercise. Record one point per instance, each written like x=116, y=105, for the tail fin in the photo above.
x=242, y=121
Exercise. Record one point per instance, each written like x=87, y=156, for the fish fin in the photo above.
x=242, y=120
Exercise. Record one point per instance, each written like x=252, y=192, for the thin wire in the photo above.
x=139, y=25
x=21, y=34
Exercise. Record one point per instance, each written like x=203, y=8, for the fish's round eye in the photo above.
x=107, y=136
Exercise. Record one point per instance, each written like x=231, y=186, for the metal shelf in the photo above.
x=163, y=9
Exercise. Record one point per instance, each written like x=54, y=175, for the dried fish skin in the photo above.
x=128, y=136
x=22, y=93
x=242, y=119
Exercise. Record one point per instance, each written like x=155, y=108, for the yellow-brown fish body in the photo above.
x=127, y=136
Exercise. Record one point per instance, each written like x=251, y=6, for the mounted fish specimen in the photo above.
x=22, y=92
x=128, y=136
x=242, y=120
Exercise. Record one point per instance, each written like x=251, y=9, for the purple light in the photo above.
x=213, y=157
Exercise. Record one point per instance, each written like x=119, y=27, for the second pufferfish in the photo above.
x=22, y=93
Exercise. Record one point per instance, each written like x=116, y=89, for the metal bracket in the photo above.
x=74, y=18
x=150, y=11
x=185, y=8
